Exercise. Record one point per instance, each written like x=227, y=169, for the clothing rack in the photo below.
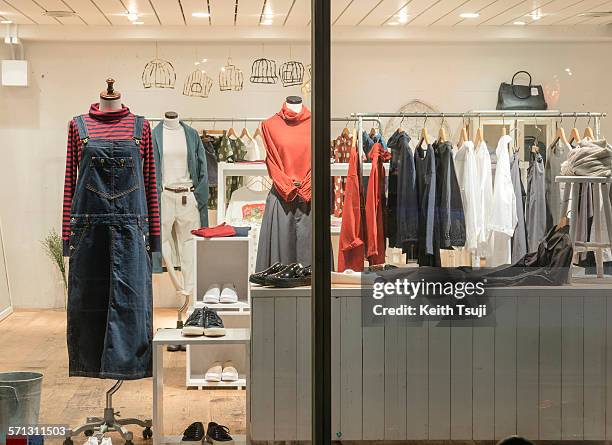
x=477, y=114
x=261, y=119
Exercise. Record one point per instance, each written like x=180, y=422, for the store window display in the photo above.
x=182, y=185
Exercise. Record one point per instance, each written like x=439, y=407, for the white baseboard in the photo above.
x=5, y=313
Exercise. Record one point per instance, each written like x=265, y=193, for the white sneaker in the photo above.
x=106, y=441
x=211, y=296
x=230, y=373
x=229, y=294
x=91, y=440
x=214, y=373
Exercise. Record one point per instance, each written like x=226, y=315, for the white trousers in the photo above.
x=180, y=216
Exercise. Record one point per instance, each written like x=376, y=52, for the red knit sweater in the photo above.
x=287, y=138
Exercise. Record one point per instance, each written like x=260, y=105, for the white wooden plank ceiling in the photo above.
x=296, y=13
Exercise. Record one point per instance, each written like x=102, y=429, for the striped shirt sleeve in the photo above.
x=151, y=188
x=70, y=178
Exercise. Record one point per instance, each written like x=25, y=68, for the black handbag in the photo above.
x=521, y=97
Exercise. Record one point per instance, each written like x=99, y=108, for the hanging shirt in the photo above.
x=554, y=190
x=428, y=248
x=254, y=152
x=375, y=204
x=519, y=239
x=407, y=212
x=287, y=137
x=536, y=202
x=111, y=125
x=341, y=153
x=449, y=206
x=502, y=214
x=484, y=200
x=351, y=248
x=174, y=161
x=467, y=176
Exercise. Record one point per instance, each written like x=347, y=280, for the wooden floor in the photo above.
x=36, y=341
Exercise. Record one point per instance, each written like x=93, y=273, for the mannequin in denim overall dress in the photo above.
x=110, y=326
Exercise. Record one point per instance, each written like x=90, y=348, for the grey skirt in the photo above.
x=286, y=232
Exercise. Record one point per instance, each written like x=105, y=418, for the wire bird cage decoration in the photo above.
x=231, y=77
x=198, y=84
x=307, y=82
x=158, y=73
x=291, y=73
x=264, y=71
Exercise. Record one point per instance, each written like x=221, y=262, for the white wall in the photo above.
x=67, y=77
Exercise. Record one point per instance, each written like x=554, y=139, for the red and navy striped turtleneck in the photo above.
x=117, y=124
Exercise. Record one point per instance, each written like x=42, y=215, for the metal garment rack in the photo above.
x=261, y=119
x=361, y=117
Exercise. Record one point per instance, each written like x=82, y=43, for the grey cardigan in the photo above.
x=196, y=163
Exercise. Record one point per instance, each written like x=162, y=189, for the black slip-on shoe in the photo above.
x=218, y=434
x=294, y=276
x=194, y=326
x=194, y=434
x=213, y=325
x=260, y=277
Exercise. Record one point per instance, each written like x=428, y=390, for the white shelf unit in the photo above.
x=235, y=337
x=220, y=261
x=229, y=169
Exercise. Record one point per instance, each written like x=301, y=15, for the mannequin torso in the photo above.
x=110, y=104
x=175, y=169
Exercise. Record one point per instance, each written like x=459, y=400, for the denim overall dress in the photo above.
x=110, y=293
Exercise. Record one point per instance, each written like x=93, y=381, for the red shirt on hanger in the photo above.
x=287, y=138
x=374, y=206
x=351, y=249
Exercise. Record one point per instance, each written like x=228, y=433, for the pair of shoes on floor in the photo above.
x=93, y=440
x=215, y=434
x=280, y=275
x=221, y=294
x=176, y=348
x=204, y=321
x=222, y=373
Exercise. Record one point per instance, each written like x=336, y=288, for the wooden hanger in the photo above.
x=463, y=137
x=424, y=136
x=574, y=134
x=245, y=133
x=442, y=132
x=559, y=135
x=221, y=132
x=258, y=132
x=588, y=133
x=231, y=132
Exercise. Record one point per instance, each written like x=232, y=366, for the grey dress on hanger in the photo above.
x=519, y=239
x=536, y=202
x=557, y=154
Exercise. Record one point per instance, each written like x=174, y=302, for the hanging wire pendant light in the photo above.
x=158, y=73
x=291, y=73
x=231, y=77
x=198, y=84
x=264, y=71
x=307, y=83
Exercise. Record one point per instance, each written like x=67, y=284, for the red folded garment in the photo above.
x=215, y=232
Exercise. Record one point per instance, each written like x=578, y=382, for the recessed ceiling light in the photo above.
x=469, y=15
x=200, y=15
x=267, y=22
x=6, y=22
x=137, y=23
x=132, y=16
x=519, y=23
x=204, y=60
x=596, y=14
x=536, y=15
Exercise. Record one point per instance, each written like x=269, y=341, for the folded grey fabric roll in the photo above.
x=590, y=158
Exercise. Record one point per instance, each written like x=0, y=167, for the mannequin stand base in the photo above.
x=110, y=423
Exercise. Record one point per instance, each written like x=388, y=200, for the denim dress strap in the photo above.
x=138, y=125
x=82, y=127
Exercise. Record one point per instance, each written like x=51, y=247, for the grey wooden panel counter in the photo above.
x=543, y=371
